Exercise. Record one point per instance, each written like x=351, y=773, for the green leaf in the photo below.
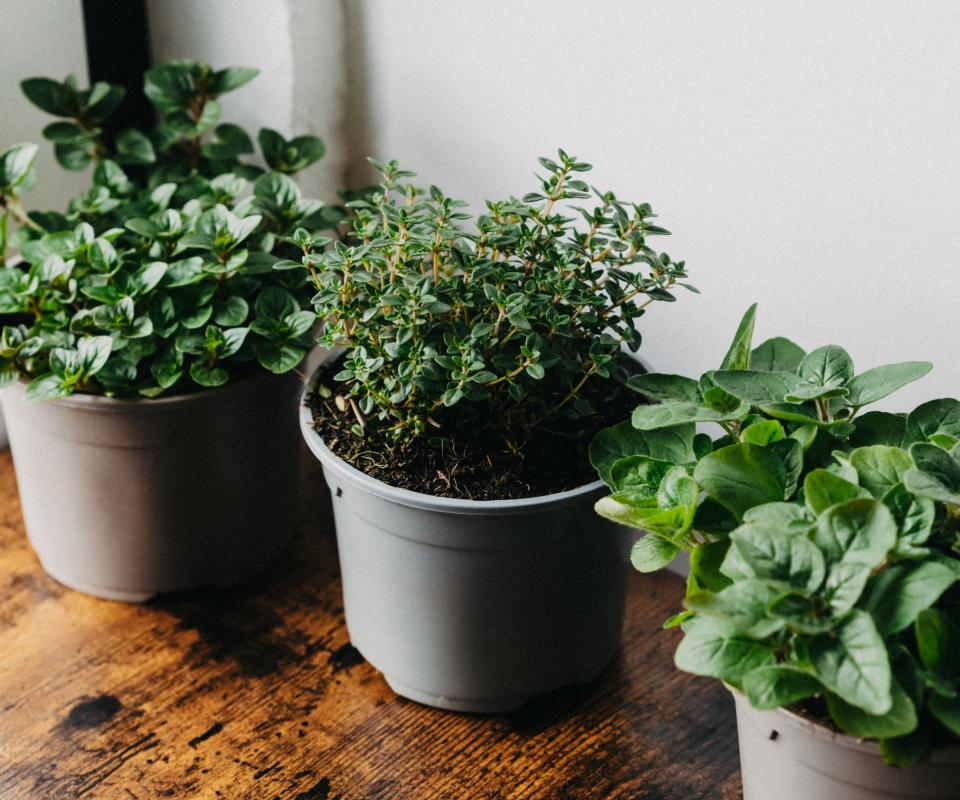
x=231, y=312
x=678, y=490
x=790, y=517
x=852, y=662
x=778, y=686
x=776, y=355
x=738, y=356
x=208, y=376
x=802, y=614
x=705, y=563
x=947, y=711
x=610, y=444
x=937, y=474
x=716, y=649
x=902, y=751
x=102, y=101
x=810, y=391
x=900, y=720
x=827, y=366
x=670, y=414
x=48, y=387
x=279, y=358
x=938, y=643
x=133, y=147
x=880, y=427
x=148, y=277
x=897, y=595
x=790, y=453
x=934, y=418
x=762, y=433
x=855, y=537
x=64, y=132
x=94, y=352
x=823, y=489
x=47, y=95
x=635, y=472
x=167, y=368
x=757, y=388
x=785, y=561
x=742, y=604
x=645, y=515
x=651, y=553
x=226, y=80
x=880, y=467
x=666, y=387
x=73, y=156
x=742, y=476
x=15, y=164
x=914, y=517
x=877, y=383
x=275, y=303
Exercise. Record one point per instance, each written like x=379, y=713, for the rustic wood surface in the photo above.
x=255, y=692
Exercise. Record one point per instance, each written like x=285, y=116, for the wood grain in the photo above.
x=255, y=692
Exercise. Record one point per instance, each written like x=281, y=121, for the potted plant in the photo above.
x=453, y=429
x=824, y=560
x=150, y=346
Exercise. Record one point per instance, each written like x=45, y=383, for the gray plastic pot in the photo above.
x=476, y=605
x=3, y=431
x=787, y=757
x=124, y=499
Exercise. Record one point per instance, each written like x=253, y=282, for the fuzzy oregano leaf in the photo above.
x=738, y=356
x=778, y=686
x=715, y=648
x=852, y=663
x=742, y=476
x=843, y=588
x=672, y=444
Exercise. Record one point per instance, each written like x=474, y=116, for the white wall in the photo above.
x=39, y=38
x=298, y=47
x=805, y=153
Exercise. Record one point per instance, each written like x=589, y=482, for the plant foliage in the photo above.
x=824, y=542
x=505, y=320
x=160, y=278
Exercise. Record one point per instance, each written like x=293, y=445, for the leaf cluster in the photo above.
x=159, y=278
x=823, y=542
x=504, y=320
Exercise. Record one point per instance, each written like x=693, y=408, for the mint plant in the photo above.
x=161, y=277
x=824, y=542
x=498, y=324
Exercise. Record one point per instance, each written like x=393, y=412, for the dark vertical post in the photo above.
x=118, y=51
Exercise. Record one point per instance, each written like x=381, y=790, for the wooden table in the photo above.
x=256, y=692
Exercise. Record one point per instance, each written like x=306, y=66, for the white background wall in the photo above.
x=805, y=153
x=298, y=47
x=39, y=38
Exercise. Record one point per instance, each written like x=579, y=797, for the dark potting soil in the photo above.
x=477, y=464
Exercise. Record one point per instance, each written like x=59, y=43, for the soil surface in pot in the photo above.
x=477, y=464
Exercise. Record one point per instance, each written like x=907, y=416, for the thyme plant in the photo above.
x=824, y=542
x=160, y=278
x=504, y=324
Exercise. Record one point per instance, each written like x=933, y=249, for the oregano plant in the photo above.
x=502, y=322
x=160, y=279
x=824, y=541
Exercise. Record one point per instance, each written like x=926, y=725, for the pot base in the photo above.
x=141, y=596
x=498, y=705
x=482, y=705
x=102, y=592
